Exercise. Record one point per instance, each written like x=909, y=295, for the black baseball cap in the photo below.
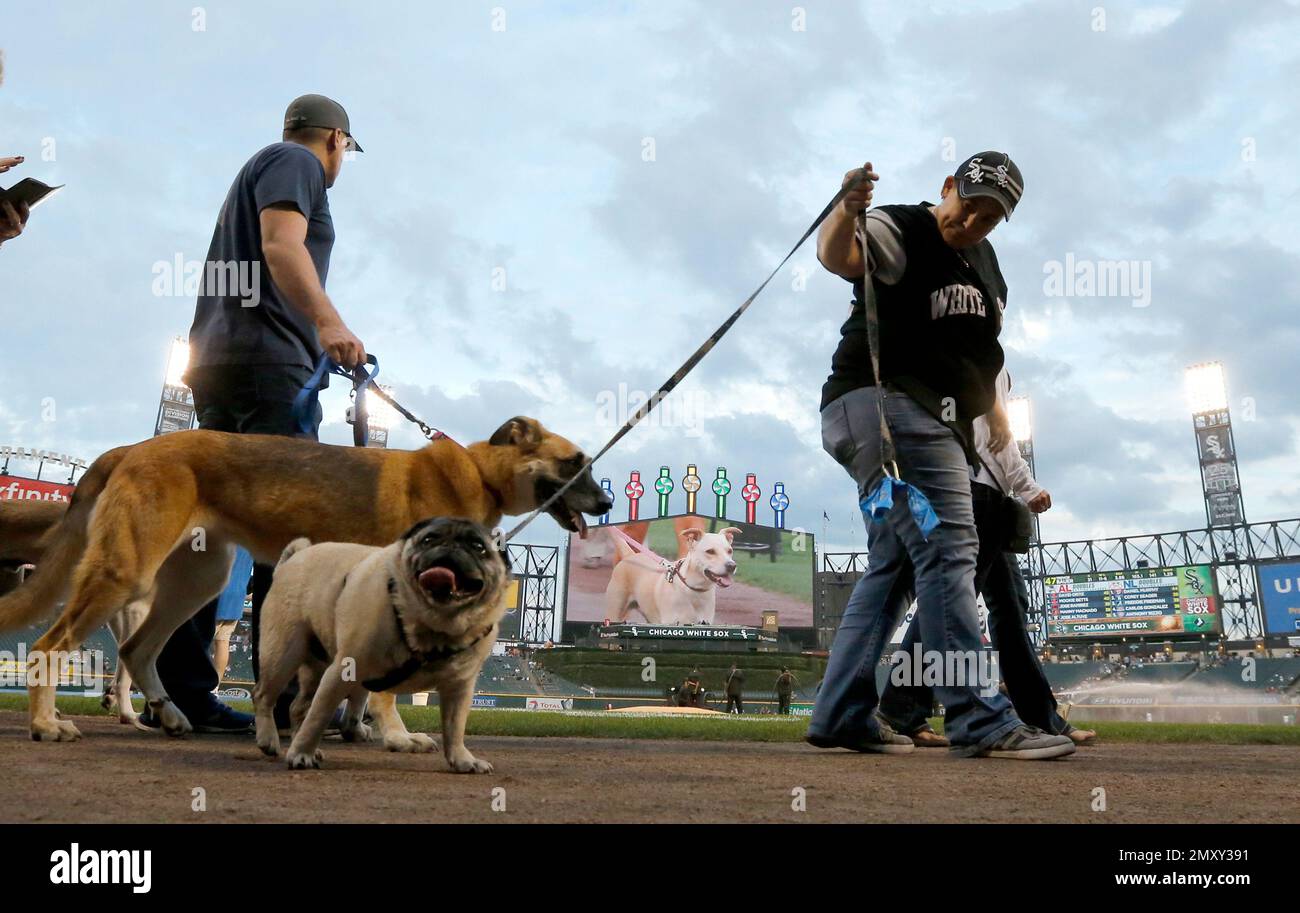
x=319, y=111
x=991, y=174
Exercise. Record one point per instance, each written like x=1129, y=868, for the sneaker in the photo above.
x=1025, y=743
x=222, y=720
x=886, y=741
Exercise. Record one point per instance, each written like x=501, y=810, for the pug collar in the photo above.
x=418, y=659
x=676, y=571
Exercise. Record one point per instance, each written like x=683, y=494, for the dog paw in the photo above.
x=410, y=741
x=358, y=733
x=54, y=731
x=174, y=723
x=304, y=761
x=466, y=763
x=128, y=719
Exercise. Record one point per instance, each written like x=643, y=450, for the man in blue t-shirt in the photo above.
x=261, y=323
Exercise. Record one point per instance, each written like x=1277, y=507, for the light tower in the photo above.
x=1207, y=396
x=176, y=405
x=1019, y=417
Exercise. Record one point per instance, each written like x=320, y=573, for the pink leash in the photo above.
x=638, y=547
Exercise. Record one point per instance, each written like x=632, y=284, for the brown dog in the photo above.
x=158, y=522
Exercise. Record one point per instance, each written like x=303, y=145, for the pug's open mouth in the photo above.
x=445, y=583
x=722, y=580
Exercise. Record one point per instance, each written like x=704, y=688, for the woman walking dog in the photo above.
x=916, y=364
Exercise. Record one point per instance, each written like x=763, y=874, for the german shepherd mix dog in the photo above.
x=158, y=522
x=351, y=619
x=25, y=526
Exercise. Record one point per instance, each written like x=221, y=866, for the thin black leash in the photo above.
x=429, y=432
x=668, y=385
x=304, y=405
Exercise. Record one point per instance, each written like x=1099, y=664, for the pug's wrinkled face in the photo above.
x=454, y=564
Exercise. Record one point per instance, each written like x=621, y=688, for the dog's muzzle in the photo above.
x=456, y=569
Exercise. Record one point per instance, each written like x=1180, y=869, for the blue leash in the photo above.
x=304, y=404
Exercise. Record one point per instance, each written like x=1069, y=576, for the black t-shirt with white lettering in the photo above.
x=232, y=327
x=939, y=324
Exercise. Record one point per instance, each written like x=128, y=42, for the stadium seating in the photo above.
x=1156, y=673
x=1269, y=674
x=1071, y=676
x=610, y=673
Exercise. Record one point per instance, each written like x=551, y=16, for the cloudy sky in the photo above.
x=558, y=201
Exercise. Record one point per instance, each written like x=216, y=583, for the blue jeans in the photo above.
x=940, y=569
x=999, y=581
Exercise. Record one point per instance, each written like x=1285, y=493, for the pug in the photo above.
x=350, y=620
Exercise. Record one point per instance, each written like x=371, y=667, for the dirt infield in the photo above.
x=119, y=775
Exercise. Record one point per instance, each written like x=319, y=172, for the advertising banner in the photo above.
x=1279, y=596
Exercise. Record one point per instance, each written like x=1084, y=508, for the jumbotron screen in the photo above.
x=1154, y=602
x=616, y=574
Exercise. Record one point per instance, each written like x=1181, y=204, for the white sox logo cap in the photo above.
x=991, y=174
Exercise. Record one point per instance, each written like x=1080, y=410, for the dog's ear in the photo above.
x=691, y=534
x=520, y=431
x=731, y=532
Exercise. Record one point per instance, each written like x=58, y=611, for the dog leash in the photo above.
x=877, y=503
x=671, y=383
x=670, y=570
x=304, y=404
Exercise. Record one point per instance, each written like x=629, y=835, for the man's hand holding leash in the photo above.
x=837, y=246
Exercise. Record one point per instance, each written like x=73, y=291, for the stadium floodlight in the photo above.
x=378, y=413
x=176, y=405
x=178, y=359
x=1022, y=432
x=1207, y=397
x=1206, y=389
x=1018, y=414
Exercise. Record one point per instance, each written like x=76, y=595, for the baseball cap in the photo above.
x=319, y=111
x=991, y=174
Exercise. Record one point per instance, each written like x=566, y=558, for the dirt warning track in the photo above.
x=117, y=774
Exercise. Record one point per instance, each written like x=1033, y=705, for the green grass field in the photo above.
x=602, y=725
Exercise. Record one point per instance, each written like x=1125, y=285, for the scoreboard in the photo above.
x=1157, y=602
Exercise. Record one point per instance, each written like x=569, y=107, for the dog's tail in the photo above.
x=57, y=550
x=292, y=549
